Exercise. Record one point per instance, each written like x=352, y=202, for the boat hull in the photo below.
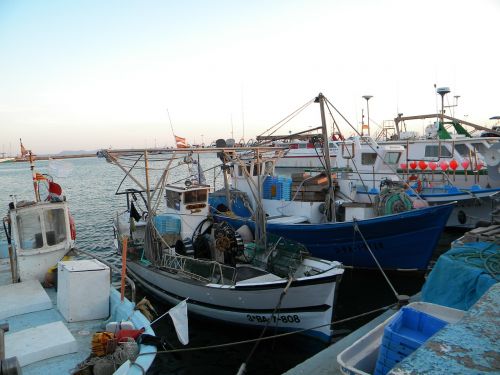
x=306, y=304
x=400, y=241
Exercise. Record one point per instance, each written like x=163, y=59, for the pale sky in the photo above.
x=83, y=75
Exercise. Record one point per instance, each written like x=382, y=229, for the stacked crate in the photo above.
x=406, y=332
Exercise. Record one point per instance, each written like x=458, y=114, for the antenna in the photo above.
x=171, y=126
x=242, y=113
x=232, y=128
x=443, y=91
x=367, y=126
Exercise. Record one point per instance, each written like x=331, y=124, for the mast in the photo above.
x=146, y=169
x=330, y=207
x=31, y=159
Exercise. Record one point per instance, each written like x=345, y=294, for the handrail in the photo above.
x=112, y=267
x=178, y=263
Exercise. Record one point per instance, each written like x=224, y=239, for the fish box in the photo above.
x=83, y=290
x=403, y=335
x=360, y=358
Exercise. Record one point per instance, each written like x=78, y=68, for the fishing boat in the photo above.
x=448, y=144
x=370, y=166
x=48, y=331
x=319, y=212
x=177, y=252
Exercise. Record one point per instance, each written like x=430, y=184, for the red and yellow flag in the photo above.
x=181, y=142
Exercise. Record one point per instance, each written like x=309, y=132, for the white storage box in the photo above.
x=83, y=290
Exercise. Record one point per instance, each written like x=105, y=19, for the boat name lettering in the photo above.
x=280, y=318
x=374, y=245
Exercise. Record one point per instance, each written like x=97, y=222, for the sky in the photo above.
x=85, y=75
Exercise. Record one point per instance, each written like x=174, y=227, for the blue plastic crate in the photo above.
x=411, y=328
x=167, y=224
x=403, y=335
x=399, y=347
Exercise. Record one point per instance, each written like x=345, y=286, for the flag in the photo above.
x=181, y=142
x=24, y=152
x=179, y=316
x=55, y=188
x=39, y=177
x=134, y=213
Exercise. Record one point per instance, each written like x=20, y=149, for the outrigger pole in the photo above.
x=330, y=207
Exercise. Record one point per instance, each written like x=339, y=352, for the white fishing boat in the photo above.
x=48, y=331
x=226, y=274
x=448, y=145
x=367, y=167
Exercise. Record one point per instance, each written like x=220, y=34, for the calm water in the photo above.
x=90, y=186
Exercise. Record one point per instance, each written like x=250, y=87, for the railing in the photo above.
x=199, y=269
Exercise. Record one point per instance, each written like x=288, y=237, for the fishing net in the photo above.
x=280, y=256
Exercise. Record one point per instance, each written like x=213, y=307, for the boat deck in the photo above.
x=37, y=330
x=40, y=336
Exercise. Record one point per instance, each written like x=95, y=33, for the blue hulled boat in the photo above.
x=403, y=240
x=321, y=212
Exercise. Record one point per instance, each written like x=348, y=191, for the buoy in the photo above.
x=443, y=165
x=413, y=165
x=403, y=166
x=453, y=164
x=432, y=165
x=422, y=165
x=465, y=164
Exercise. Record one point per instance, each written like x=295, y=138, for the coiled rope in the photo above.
x=487, y=258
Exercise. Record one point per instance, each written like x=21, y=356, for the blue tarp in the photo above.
x=462, y=275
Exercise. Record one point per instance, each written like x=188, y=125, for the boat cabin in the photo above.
x=190, y=203
x=40, y=236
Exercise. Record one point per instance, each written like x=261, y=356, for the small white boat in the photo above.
x=49, y=331
x=360, y=358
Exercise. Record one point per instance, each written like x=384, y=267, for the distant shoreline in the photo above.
x=47, y=157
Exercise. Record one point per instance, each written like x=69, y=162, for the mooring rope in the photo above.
x=356, y=229
x=279, y=335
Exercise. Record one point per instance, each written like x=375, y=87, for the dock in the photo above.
x=325, y=362
x=470, y=346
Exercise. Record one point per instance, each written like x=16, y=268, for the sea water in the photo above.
x=90, y=185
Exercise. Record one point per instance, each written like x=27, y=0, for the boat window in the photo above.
x=55, y=226
x=196, y=196
x=302, y=145
x=173, y=200
x=30, y=231
x=269, y=167
x=479, y=147
x=432, y=151
x=368, y=158
x=392, y=157
x=462, y=149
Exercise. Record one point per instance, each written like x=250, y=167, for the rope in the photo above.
x=243, y=342
x=356, y=229
x=108, y=364
x=287, y=119
x=490, y=262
